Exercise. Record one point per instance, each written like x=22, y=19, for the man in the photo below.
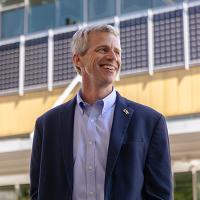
x=100, y=145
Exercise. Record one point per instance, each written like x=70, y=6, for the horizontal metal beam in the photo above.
x=190, y=124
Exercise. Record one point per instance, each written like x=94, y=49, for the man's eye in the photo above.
x=117, y=52
x=101, y=50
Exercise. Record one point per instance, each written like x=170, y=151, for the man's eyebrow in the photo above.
x=102, y=46
x=107, y=46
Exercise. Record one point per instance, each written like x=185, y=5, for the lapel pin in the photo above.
x=125, y=111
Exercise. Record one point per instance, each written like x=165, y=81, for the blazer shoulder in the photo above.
x=143, y=110
x=53, y=113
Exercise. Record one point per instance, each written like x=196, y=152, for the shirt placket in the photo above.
x=90, y=156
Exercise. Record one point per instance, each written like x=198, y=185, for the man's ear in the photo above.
x=77, y=62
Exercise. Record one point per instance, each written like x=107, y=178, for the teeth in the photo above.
x=108, y=67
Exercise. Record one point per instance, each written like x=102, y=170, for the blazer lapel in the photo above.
x=67, y=126
x=122, y=116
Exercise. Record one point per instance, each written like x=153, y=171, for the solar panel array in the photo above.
x=194, y=26
x=168, y=38
x=63, y=67
x=168, y=48
x=134, y=44
x=36, y=62
x=9, y=67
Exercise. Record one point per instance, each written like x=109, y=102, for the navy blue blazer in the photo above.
x=138, y=163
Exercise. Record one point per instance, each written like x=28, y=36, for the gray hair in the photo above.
x=80, y=38
x=79, y=44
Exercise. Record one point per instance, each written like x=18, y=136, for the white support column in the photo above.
x=186, y=35
x=17, y=190
x=26, y=10
x=21, y=65
x=150, y=42
x=194, y=183
x=50, y=59
x=116, y=24
x=85, y=11
x=118, y=7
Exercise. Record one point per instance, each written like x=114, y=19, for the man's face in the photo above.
x=102, y=61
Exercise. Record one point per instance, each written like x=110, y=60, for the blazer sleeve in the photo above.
x=158, y=177
x=35, y=163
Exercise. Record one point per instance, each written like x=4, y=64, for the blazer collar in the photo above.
x=67, y=126
x=122, y=117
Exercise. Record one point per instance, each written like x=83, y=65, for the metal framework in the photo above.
x=116, y=21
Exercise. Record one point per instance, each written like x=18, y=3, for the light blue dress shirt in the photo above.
x=92, y=127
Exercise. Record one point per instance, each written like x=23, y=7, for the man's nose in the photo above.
x=112, y=55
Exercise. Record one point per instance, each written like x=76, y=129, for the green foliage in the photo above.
x=183, y=186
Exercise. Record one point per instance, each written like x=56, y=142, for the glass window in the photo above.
x=157, y=3
x=136, y=5
x=101, y=9
x=4, y=3
x=24, y=193
x=183, y=186
x=8, y=193
x=12, y=23
x=41, y=15
x=70, y=13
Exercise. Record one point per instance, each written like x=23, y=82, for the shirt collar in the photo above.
x=107, y=102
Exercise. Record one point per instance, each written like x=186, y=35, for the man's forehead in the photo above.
x=103, y=33
x=101, y=37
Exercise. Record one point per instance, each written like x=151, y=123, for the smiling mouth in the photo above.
x=108, y=66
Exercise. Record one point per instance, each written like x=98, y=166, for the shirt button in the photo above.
x=90, y=142
x=91, y=193
x=90, y=167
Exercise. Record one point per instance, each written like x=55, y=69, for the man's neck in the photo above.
x=93, y=94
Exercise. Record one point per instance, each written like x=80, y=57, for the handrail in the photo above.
x=67, y=91
x=77, y=79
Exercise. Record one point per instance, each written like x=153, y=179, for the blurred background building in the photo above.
x=160, y=68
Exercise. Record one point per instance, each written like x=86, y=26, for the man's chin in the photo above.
x=110, y=80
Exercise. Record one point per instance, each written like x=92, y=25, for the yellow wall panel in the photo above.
x=173, y=93
x=170, y=96
x=195, y=88
x=145, y=89
x=18, y=114
x=184, y=93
